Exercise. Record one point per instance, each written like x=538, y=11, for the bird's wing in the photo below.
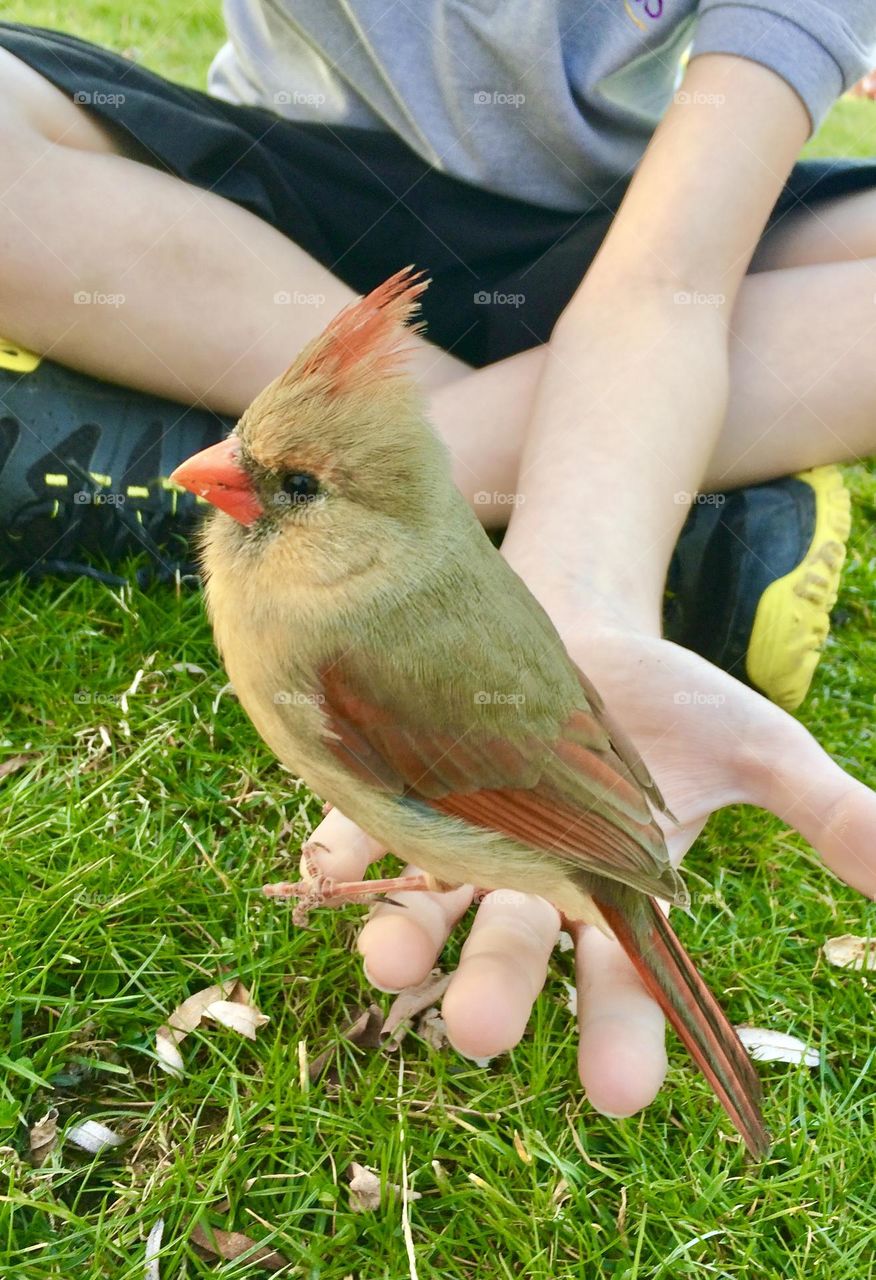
x=548, y=771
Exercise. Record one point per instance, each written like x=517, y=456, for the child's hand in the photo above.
x=709, y=741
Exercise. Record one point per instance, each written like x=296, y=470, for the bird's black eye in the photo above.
x=299, y=487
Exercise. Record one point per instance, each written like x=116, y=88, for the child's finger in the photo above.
x=340, y=849
x=621, y=1050
x=502, y=969
x=400, y=943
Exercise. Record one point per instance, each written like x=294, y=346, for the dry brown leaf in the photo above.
x=243, y=1018
x=433, y=1029
x=187, y=1016
x=414, y=1000
x=94, y=1137
x=850, y=952
x=14, y=763
x=765, y=1045
x=229, y=1245
x=364, y=1189
x=169, y=1057
x=43, y=1137
x=364, y=1031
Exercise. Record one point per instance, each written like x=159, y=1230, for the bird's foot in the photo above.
x=321, y=890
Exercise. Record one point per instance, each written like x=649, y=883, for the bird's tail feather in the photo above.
x=670, y=976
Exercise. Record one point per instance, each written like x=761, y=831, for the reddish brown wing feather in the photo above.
x=548, y=793
x=670, y=976
x=624, y=748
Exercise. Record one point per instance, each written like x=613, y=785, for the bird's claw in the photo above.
x=320, y=890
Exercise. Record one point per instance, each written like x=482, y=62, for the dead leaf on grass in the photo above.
x=433, y=1029
x=218, y=1002
x=14, y=763
x=414, y=1000
x=850, y=952
x=229, y=1245
x=94, y=1137
x=365, y=1189
x=765, y=1045
x=364, y=1031
x=43, y=1138
x=243, y=1018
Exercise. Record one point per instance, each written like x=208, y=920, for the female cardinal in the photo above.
x=388, y=654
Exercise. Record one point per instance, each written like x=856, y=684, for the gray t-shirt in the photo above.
x=552, y=101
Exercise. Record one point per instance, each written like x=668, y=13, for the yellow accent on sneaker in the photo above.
x=792, y=619
x=56, y=479
x=17, y=358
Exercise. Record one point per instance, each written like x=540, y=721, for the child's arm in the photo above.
x=634, y=391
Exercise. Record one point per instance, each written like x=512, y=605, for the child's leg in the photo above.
x=199, y=275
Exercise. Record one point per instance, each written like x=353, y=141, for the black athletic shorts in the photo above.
x=363, y=204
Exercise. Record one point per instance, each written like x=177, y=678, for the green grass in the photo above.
x=131, y=872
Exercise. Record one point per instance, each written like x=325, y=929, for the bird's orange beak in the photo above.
x=216, y=474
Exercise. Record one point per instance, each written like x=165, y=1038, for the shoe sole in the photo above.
x=792, y=619
x=17, y=359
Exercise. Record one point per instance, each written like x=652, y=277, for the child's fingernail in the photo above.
x=392, y=991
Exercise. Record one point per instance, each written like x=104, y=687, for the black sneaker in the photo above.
x=83, y=472
x=83, y=477
x=755, y=575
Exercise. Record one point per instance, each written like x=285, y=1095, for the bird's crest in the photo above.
x=367, y=339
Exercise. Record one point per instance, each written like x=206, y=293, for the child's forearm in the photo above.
x=601, y=471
